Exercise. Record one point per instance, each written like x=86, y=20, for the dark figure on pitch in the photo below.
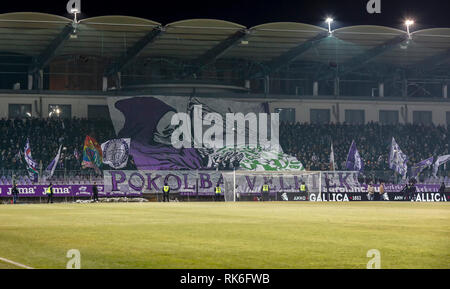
x=166, y=191
x=265, y=192
x=442, y=190
x=15, y=193
x=218, y=191
x=50, y=193
x=95, y=192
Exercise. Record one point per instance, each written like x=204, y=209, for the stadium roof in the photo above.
x=201, y=41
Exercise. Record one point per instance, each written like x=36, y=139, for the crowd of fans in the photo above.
x=45, y=137
x=311, y=143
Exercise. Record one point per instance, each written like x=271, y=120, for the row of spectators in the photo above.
x=45, y=136
x=311, y=143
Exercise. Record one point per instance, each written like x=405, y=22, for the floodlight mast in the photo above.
x=329, y=20
x=408, y=23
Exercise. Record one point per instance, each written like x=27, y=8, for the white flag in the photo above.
x=440, y=161
x=397, y=159
x=332, y=163
x=116, y=152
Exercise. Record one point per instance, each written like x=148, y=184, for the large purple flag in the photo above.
x=52, y=166
x=420, y=166
x=354, y=160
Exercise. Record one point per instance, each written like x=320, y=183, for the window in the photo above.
x=286, y=114
x=320, y=116
x=19, y=110
x=422, y=117
x=388, y=116
x=60, y=110
x=355, y=116
x=98, y=112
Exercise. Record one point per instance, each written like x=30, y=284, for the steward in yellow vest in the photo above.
x=265, y=192
x=49, y=192
x=303, y=188
x=218, y=192
x=166, y=191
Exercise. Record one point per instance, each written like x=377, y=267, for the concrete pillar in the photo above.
x=315, y=88
x=445, y=90
x=267, y=85
x=119, y=80
x=247, y=84
x=405, y=88
x=381, y=89
x=105, y=83
x=336, y=86
x=40, y=79
x=30, y=81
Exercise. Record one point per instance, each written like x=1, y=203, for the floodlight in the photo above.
x=409, y=22
x=329, y=20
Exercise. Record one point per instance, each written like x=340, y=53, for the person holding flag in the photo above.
x=354, y=160
x=49, y=171
x=440, y=161
x=397, y=159
x=31, y=164
x=92, y=155
x=419, y=167
x=332, y=162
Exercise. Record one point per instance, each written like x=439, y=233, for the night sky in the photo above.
x=427, y=13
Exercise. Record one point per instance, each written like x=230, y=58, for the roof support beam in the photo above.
x=291, y=54
x=128, y=56
x=361, y=60
x=215, y=52
x=51, y=50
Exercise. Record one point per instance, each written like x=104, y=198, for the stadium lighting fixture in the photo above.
x=329, y=20
x=408, y=23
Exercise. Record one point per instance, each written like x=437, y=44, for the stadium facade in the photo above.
x=355, y=74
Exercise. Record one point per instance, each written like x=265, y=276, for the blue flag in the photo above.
x=354, y=160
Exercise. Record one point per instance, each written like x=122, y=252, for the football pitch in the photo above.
x=226, y=235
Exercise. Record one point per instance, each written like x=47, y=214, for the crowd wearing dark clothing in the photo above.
x=311, y=143
x=45, y=136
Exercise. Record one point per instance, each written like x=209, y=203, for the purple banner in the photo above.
x=59, y=191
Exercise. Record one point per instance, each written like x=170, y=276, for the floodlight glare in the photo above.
x=329, y=20
x=74, y=10
x=409, y=22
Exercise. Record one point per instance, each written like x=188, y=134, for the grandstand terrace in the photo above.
x=365, y=82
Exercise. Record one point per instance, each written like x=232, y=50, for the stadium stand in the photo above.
x=310, y=143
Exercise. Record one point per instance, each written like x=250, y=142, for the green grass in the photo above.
x=227, y=235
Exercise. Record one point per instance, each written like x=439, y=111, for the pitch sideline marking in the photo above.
x=15, y=263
